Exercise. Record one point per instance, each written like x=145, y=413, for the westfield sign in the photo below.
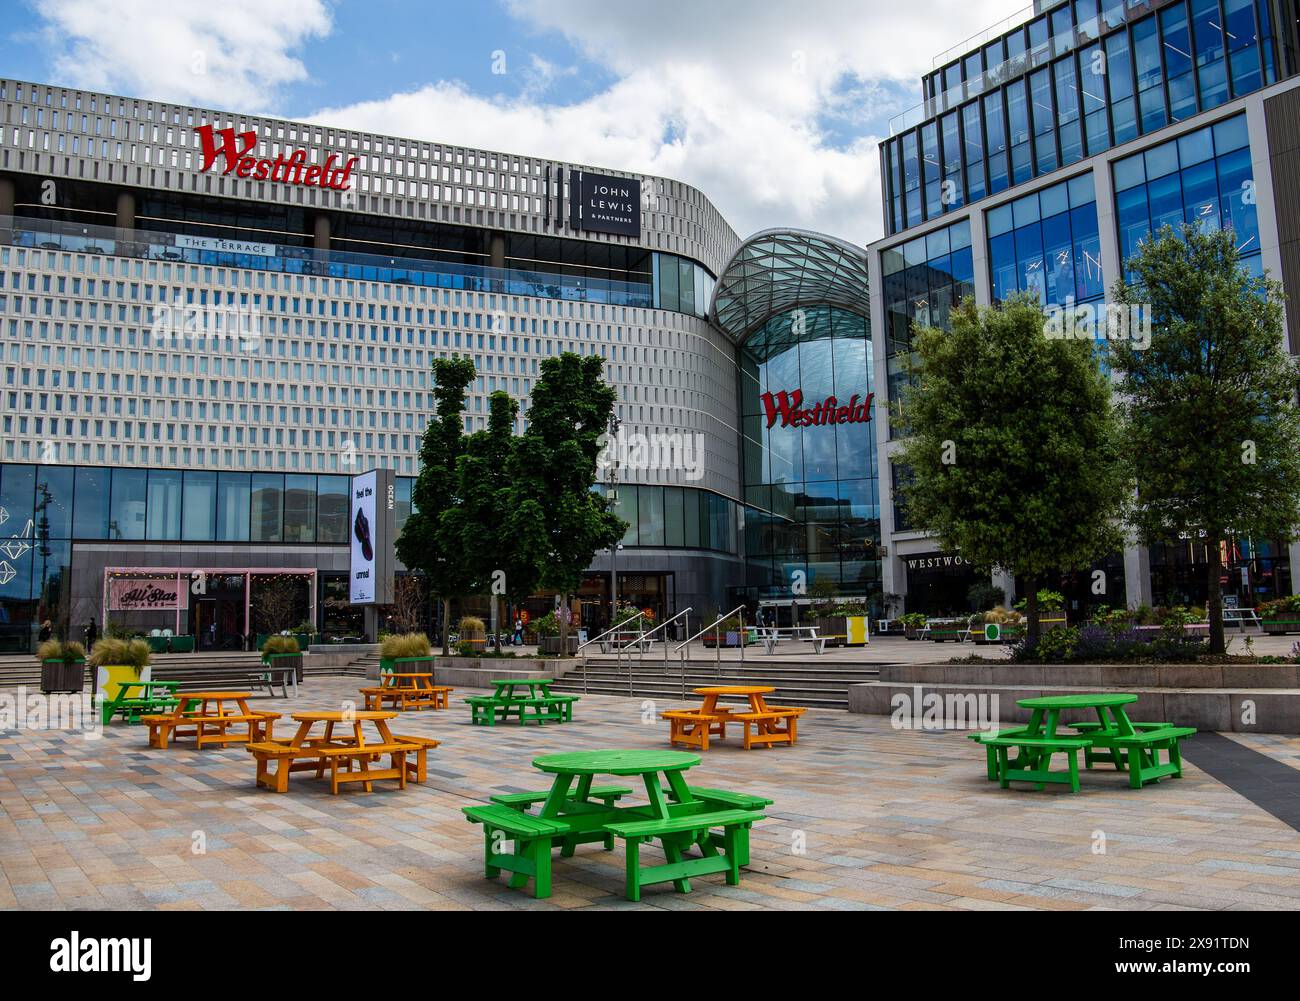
x=293, y=169
x=788, y=409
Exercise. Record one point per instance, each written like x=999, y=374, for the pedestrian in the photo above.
x=92, y=634
x=519, y=632
x=46, y=632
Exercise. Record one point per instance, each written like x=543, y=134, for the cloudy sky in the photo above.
x=772, y=107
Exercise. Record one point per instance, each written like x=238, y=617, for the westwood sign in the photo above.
x=293, y=169
x=788, y=409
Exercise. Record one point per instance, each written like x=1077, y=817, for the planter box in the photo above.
x=408, y=665
x=296, y=662
x=1281, y=627
x=834, y=629
x=912, y=633
x=63, y=676
x=550, y=645
x=728, y=639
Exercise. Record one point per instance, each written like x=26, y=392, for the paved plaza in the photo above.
x=865, y=817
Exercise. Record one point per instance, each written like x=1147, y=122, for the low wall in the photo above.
x=1097, y=676
x=325, y=655
x=1257, y=708
x=476, y=672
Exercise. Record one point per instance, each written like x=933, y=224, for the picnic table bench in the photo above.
x=762, y=723
x=406, y=691
x=537, y=706
x=341, y=753
x=155, y=697
x=212, y=722
x=1113, y=737
x=575, y=812
x=773, y=635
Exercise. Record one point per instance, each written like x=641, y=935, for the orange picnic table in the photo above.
x=764, y=725
x=308, y=752
x=406, y=691
x=211, y=721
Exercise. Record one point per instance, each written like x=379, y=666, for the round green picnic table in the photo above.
x=1046, y=711
x=580, y=766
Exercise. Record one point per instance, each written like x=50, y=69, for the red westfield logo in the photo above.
x=293, y=169
x=788, y=408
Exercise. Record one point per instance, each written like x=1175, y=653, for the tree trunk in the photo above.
x=1214, y=596
x=1033, y=631
x=564, y=624
x=446, y=627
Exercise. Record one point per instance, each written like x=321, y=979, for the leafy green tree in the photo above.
x=1014, y=447
x=556, y=470
x=421, y=545
x=499, y=534
x=1209, y=407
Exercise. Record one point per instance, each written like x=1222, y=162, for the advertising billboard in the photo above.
x=373, y=525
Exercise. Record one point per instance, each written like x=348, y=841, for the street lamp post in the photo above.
x=611, y=477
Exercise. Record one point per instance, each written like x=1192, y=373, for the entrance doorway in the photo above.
x=217, y=618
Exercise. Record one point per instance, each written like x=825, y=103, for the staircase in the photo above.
x=364, y=666
x=813, y=686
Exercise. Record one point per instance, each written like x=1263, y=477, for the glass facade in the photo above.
x=1047, y=243
x=1090, y=75
x=1204, y=178
x=811, y=487
x=923, y=279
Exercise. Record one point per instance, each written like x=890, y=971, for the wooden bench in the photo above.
x=991, y=752
x=533, y=838
x=164, y=729
x=1102, y=738
x=134, y=708
x=766, y=728
x=317, y=757
x=720, y=852
x=403, y=699
x=486, y=709
x=1037, y=760
x=608, y=795
x=1144, y=754
x=692, y=728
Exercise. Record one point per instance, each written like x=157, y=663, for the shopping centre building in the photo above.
x=1044, y=150
x=210, y=321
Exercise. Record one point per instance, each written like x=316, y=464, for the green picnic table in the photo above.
x=534, y=704
x=144, y=704
x=1113, y=737
x=574, y=811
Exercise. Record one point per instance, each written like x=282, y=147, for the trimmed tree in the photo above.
x=1013, y=447
x=421, y=546
x=498, y=533
x=1210, y=415
x=556, y=470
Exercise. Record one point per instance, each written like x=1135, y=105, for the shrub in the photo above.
x=850, y=608
x=467, y=649
x=409, y=645
x=1056, y=646
x=914, y=620
x=984, y=597
x=280, y=644
x=547, y=625
x=58, y=650
x=472, y=624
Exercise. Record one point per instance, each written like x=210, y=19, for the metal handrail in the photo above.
x=738, y=610
x=611, y=629
x=664, y=625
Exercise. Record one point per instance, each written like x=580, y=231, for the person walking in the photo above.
x=519, y=631
x=92, y=634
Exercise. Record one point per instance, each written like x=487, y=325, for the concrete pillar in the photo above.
x=370, y=618
x=1137, y=575
x=6, y=196
x=125, y=210
x=321, y=233
x=498, y=251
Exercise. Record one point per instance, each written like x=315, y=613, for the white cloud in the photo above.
x=726, y=95
x=231, y=54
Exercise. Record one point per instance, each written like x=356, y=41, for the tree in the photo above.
x=498, y=532
x=1209, y=407
x=420, y=545
x=1014, y=447
x=556, y=470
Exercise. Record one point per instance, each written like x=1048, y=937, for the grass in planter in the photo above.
x=405, y=646
x=280, y=644
x=112, y=652
x=59, y=650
